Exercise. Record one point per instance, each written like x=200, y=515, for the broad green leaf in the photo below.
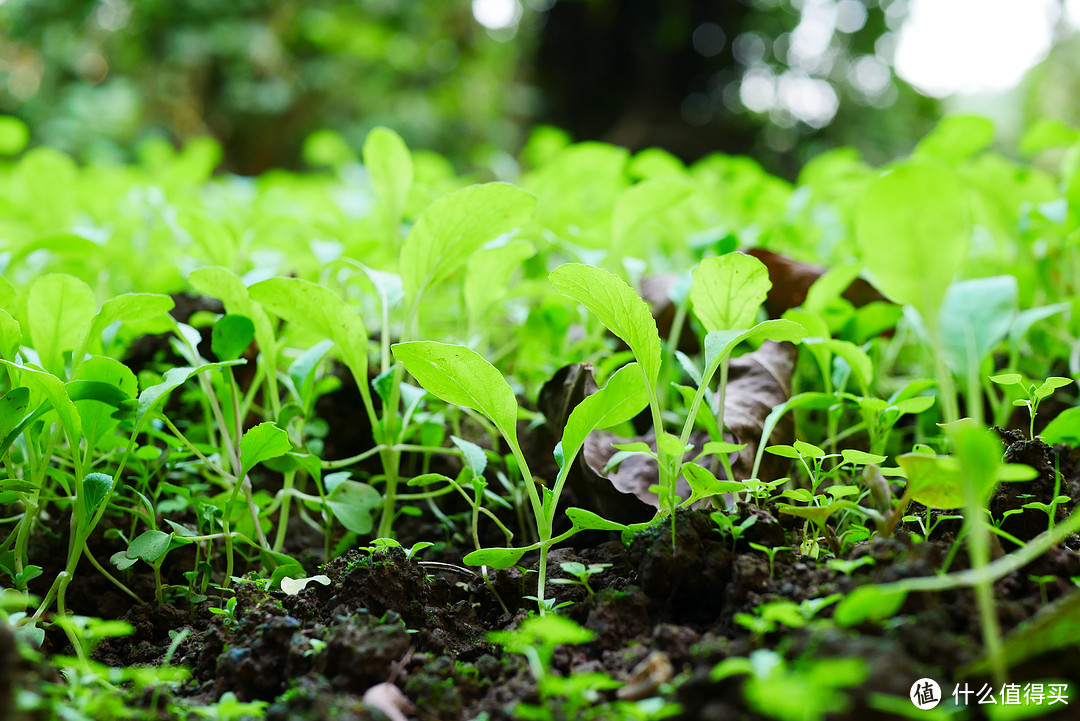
x=10, y=335
x=808, y=449
x=494, y=557
x=353, y=504
x=1008, y=379
x=1048, y=386
x=216, y=240
x=829, y=287
x=621, y=399
x=457, y=225
x=59, y=309
x=306, y=304
x=816, y=514
x=976, y=316
x=720, y=343
x=917, y=404
x=728, y=291
x=475, y=458
x=642, y=202
x=487, y=274
x=1045, y=134
x=868, y=603
x=12, y=410
x=129, y=307
x=853, y=355
x=261, y=443
x=96, y=488
x=390, y=166
x=14, y=135
x=704, y=484
x=100, y=386
x=222, y=283
x=860, y=458
x=231, y=336
x=783, y=451
x=617, y=307
x=174, y=378
x=459, y=375
x=913, y=233
x=150, y=546
x=53, y=390
x=956, y=138
x=387, y=286
x=933, y=481
x=302, y=370
x=979, y=452
x=1065, y=428
x=428, y=479
x=587, y=520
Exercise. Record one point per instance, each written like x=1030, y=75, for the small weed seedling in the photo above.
x=581, y=574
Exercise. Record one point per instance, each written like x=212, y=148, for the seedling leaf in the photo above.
x=353, y=504
x=617, y=307
x=150, y=546
x=96, y=488
x=231, y=336
x=494, y=557
x=728, y=291
x=587, y=520
x=624, y=396
x=390, y=166
x=459, y=375
x=457, y=225
x=868, y=603
x=261, y=443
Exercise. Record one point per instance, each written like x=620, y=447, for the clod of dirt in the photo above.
x=1012, y=496
x=687, y=582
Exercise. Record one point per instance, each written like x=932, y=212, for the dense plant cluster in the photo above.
x=169, y=338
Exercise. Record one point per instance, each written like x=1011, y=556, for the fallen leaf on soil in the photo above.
x=791, y=279
x=647, y=677
x=388, y=698
x=293, y=586
x=757, y=382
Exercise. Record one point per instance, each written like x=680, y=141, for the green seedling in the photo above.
x=1035, y=394
x=847, y=567
x=725, y=525
x=771, y=553
x=581, y=574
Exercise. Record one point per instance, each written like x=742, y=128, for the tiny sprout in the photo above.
x=581, y=574
x=770, y=552
x=1036, y=394
x=848, y=567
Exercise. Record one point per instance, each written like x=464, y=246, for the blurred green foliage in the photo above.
x=93, y=78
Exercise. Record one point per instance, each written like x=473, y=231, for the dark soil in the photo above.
x=423, y=628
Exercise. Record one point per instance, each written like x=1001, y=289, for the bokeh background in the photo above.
x=779, y=80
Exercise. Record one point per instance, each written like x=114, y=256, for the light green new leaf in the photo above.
x=494, y=557
x=59, y=309
x=174, y=378
x=96, y=488
x=12, y=409
x=150, y=546
x=7, y=293
x=704, y=484
x=976, y=315
x=231, y=336
x=642, y=202
x=129, y=307
x=860, y=458
x=956, y=138
x=306, y=304
x=624, y=396
x=488, y=271
x=261, y=443
x=978, y=450
x=617, y=307
x=10, y=335
x=53, y=390
x=720, y=343
x=97, y=412
x=1051, y=384
x=728, y=290
x=459, y=375
x=353, y=504
x=933, y=481
x=868, y=603
x=475, y=458
x=222, y=283
x=457, y=225
x=913, y=233
x=390, y=166
x=587, y=520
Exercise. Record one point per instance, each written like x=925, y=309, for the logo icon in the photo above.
x=925, y=694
